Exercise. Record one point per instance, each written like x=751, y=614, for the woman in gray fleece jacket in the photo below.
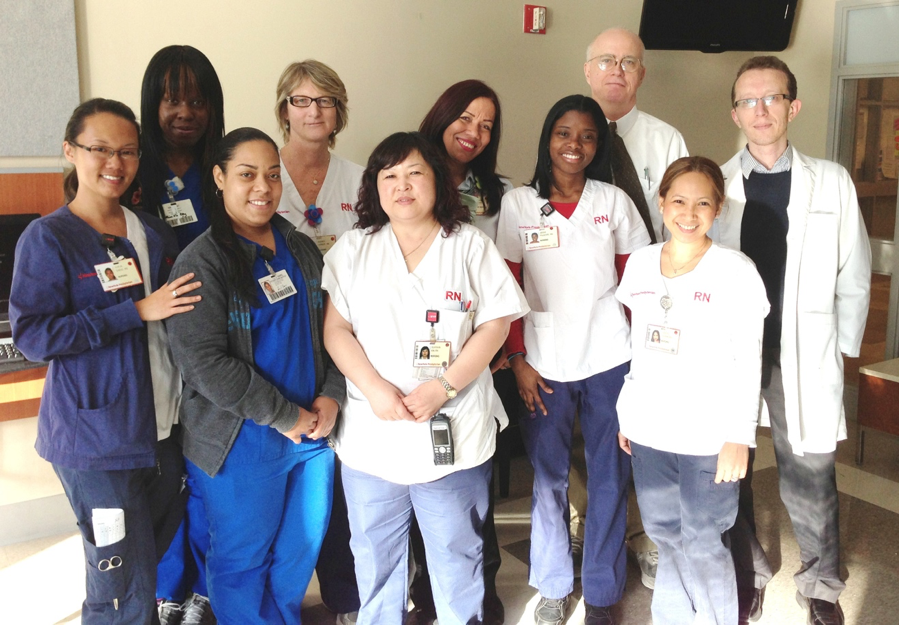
x=261, y=394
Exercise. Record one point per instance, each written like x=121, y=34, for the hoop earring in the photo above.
x=218, y=193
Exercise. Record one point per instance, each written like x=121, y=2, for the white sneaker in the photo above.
x=649, y=563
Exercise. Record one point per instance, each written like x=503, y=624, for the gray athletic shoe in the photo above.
x=170, y=613
x=649, y=563
x=551, y=611
x=197, y=611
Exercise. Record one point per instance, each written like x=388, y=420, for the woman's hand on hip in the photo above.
x=732, y=462
x=169, y=299
x=529, y=381
x=425, y=401
x=325, y=409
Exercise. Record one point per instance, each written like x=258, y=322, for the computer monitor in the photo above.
x=11, y=228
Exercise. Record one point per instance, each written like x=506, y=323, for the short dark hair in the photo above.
x=599, y=169
x=766, y=62
x=173, y=70
x=448, y=208
x=240, y=272
x=694, y=164
x=76, y=126
x=447, y=109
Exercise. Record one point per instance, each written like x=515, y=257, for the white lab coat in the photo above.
x=827, y=287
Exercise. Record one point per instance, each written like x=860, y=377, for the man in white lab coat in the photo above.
x=798, y=218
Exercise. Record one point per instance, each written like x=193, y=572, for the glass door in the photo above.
x=869, y=148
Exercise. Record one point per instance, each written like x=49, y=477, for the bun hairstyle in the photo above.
x=76, y=126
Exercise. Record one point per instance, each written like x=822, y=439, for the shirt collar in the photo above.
x=626, y=122
x=469, y=185
x=749, y=165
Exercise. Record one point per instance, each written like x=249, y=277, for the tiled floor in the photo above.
x=41, y=582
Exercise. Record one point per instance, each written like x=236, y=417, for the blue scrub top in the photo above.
x=193, y=191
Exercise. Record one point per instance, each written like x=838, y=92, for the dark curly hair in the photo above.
x=448, y=208
x=599, y=168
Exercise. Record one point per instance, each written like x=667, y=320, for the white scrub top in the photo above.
x=576, y=327
x=337, y=199
x=369, y=285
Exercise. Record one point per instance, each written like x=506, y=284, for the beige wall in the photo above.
x=397, y=56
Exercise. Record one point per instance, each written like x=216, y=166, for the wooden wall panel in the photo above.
x=30, y=193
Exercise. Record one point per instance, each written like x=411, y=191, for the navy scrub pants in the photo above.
x=686, y=514
x=548, y=443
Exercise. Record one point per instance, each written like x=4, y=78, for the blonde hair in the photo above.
x=325, y=80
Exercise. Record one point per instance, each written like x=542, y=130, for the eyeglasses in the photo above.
x=303, y=101
x=101, y=152
x=629, y=64
x=769, y=100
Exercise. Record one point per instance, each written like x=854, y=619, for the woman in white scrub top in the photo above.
x=689, y=407
x=572, y=353
x=465, y=124
x=320, y=187
x=416, y=274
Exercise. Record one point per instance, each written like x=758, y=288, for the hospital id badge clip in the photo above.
x=430, y=358
x=277, y=285
x=179, y=213
x=662, y=339
x=118, y=274
x=325, y=242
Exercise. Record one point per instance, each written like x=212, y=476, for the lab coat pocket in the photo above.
x=539, y=336
x=455, y=327
x=108, y=568
x=820, y=263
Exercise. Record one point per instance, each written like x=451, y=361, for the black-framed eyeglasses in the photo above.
x=101, y=152
x=769, y=100
x=629, y=64
x=304, y=101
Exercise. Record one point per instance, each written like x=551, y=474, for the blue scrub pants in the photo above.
x=268, y=510
x=123, y=594
x=450, y=513
x=547, y=440
x=686, y=514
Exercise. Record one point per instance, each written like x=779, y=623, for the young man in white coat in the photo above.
x=798, y=219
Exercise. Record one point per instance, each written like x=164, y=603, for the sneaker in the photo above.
x=348, y=618
x=197, y=611
x=649, y=563
x=597, y=615
x=551, y=611
x=169, y=612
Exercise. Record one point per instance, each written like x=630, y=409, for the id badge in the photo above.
x=542, y=238
x=179, y=213
x=432, y=354
x=474, y=204
x=118, y=274
x=662, y=339
x=325, y=242
x=277, y=286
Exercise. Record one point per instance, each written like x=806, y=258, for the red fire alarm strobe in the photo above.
x=534, y=19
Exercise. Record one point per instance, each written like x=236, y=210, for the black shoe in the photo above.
x=594, y=615
x=820, y=612
x=751, y=604
x=494, y=612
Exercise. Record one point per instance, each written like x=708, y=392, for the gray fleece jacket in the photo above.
x=213, y=347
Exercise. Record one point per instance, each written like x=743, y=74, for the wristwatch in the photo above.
x=450, y=391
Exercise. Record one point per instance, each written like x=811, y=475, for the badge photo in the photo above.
x=662, y=339
x=541, y=238
x=277, y=286
x=118, y=274
x=432, y=354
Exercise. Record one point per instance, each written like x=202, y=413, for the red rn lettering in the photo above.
x=603, y=219
x=452, y=295
x=702, y=297
x=346, y=207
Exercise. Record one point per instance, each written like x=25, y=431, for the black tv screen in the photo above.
x=717, y=25
x=11, y=227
